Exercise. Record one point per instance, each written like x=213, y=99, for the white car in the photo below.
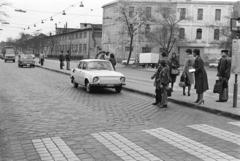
x=96, y=73
x=131, y=61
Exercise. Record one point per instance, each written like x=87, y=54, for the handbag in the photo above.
x=218, y=86
x=169, y=91
x=182, y=84
x=175, y=71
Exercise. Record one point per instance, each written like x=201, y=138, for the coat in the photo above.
x=188, y=65
x=224, y=68
x=156, y=75
x=201, y=80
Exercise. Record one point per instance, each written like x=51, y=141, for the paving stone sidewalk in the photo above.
x=138, y=80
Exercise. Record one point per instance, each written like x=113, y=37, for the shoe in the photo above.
x=163, y=106
x=200, y=102
x=189, y=94
x=184, y=93
x=155, y=103
x=196, y=101
x=221, y=101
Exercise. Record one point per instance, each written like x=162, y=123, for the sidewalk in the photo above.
x=138, y=80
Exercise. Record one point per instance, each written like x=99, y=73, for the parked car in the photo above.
x=26, y=60
x=9, y=54
x=214, y=63
x=131, y=61
x=96, y=73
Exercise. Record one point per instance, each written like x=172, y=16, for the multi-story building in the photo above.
x=83, y=42
x=204, y=25
x=201, y=25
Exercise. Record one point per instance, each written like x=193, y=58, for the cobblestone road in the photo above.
x=42, y=117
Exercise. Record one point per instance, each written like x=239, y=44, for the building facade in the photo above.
x=82, y=43
x=202, y=24
x=205, y=26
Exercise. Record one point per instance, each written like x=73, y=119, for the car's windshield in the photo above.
x=99, y=65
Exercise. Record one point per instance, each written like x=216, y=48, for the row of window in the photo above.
x=78, y=35
x=199, y=34
x=200, y=14
x=166, y=11
x=76, y=48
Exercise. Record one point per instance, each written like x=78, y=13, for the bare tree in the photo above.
x=132, y=20
x=166, y=34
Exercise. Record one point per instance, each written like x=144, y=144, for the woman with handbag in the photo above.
x=174, y=71
x=188, y=76
x=201, y=80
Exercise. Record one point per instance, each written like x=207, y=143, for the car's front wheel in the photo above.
x=118, y=89
x=88, y=87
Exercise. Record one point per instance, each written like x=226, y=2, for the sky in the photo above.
x=38, y=10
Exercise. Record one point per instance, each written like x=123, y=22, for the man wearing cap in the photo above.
x=224, y=72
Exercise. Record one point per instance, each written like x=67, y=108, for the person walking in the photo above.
x=174, y=71
x=113, y=60
x=189, y=76
x=155, y=76
x=224, y=72
x=61, y=60
x=201, y=80
x=68, y=58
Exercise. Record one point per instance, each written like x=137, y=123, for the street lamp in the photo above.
x=63, y=13
x=20, y=10
x=51, y=19
x=81, y=4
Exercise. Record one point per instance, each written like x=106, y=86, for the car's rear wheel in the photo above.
x=88, y=87
x=118, y=89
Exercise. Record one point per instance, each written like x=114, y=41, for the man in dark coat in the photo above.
x=201, y=80
x=61, y=59
x=68, y=58
x=224, y=72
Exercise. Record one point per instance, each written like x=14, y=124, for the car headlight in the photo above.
x=95, y=79
x=122, y=79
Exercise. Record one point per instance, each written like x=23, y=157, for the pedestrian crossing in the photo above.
x=128, y=149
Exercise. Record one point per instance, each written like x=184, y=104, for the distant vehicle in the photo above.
x=131, y=61
x=9, y=54
x=148, y=58
x=26, y=60
x=214, y=63
x=96, y=73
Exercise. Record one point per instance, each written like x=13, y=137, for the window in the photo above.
x=216, y=34
x=85, y=34
x=200, y=14
x=131, y=11
x=80, y=35
x=147, y=29
x=182, y=13
x=127, y=48
x=146, y=49
x=181, y=33
x=80, y=48
x=80, y=65
x=217, y=14
x=199, y=34
x=148, y=12
x=84, y=48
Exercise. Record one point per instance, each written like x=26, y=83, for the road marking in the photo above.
x=124, y=148
x=51, y=149
x=219, y=133
x=190, y=146
x=235, y=123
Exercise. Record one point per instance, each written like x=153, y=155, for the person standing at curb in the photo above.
x=201, y=80
x=174, y=71
x=113, y=60
x=41, y=58
x=68, y=58
x=61, y=60
x=188, y=75
x=224, y=72
x=157, y=84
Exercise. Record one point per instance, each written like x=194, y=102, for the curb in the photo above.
x=185, y=104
